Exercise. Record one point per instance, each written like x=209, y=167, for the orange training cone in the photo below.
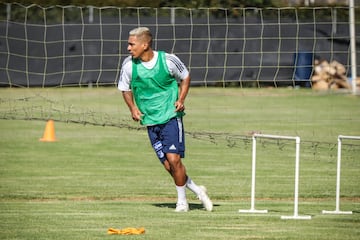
x=49, y=133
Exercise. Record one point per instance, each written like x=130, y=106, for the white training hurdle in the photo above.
x=253, y=176
x=337, y=207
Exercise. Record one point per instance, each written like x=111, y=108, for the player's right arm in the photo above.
x=129, y=100
x=124, y=87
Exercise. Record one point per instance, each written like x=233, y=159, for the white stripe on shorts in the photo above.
x=180, y=126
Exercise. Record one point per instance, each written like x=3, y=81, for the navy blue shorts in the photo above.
x=167, y=138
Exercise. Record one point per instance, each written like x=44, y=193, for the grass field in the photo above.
x=102, y=173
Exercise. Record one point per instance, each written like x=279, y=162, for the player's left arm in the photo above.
x=183, y=91
x=178, y=69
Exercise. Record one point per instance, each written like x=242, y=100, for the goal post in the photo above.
x=297, y=170
x=253, y=181
x=353, y=45
x=338, y=173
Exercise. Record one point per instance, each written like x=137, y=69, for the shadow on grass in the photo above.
x=192, y=206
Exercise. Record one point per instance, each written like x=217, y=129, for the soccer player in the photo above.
x=154, y=85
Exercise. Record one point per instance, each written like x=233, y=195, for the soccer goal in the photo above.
x=297, y=169
x=338, y=173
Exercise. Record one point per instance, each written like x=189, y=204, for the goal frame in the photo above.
x=297, y=170
x=338, y=173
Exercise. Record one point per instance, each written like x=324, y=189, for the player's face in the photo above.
x=136, y=47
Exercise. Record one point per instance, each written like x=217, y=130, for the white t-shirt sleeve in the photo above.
x=176, y=67
x=125, y=75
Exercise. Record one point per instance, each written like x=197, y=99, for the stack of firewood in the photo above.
x=329, y=76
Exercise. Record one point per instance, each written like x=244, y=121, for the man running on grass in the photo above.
x=149, y=84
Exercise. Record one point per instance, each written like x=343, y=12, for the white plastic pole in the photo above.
x=172, y=15
x=8, y=12
x=253, y=177
x=352, y=44
x=296, y=194
x=91, y=14
x=338, y=173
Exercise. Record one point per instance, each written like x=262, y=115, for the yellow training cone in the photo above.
x=49, y=133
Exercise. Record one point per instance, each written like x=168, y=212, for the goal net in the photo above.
x=246, y=47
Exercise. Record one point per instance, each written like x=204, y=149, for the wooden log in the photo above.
x=342, y=84
x=340, y=68
x=320, y=85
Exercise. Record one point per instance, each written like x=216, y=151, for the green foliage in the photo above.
x=154, y=3
x=33, y=11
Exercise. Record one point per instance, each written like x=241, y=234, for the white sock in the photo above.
x=181, y=191
x=192, y=186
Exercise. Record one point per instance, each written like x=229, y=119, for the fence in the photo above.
x=70, y=45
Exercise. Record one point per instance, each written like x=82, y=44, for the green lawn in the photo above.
x=102, y=173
